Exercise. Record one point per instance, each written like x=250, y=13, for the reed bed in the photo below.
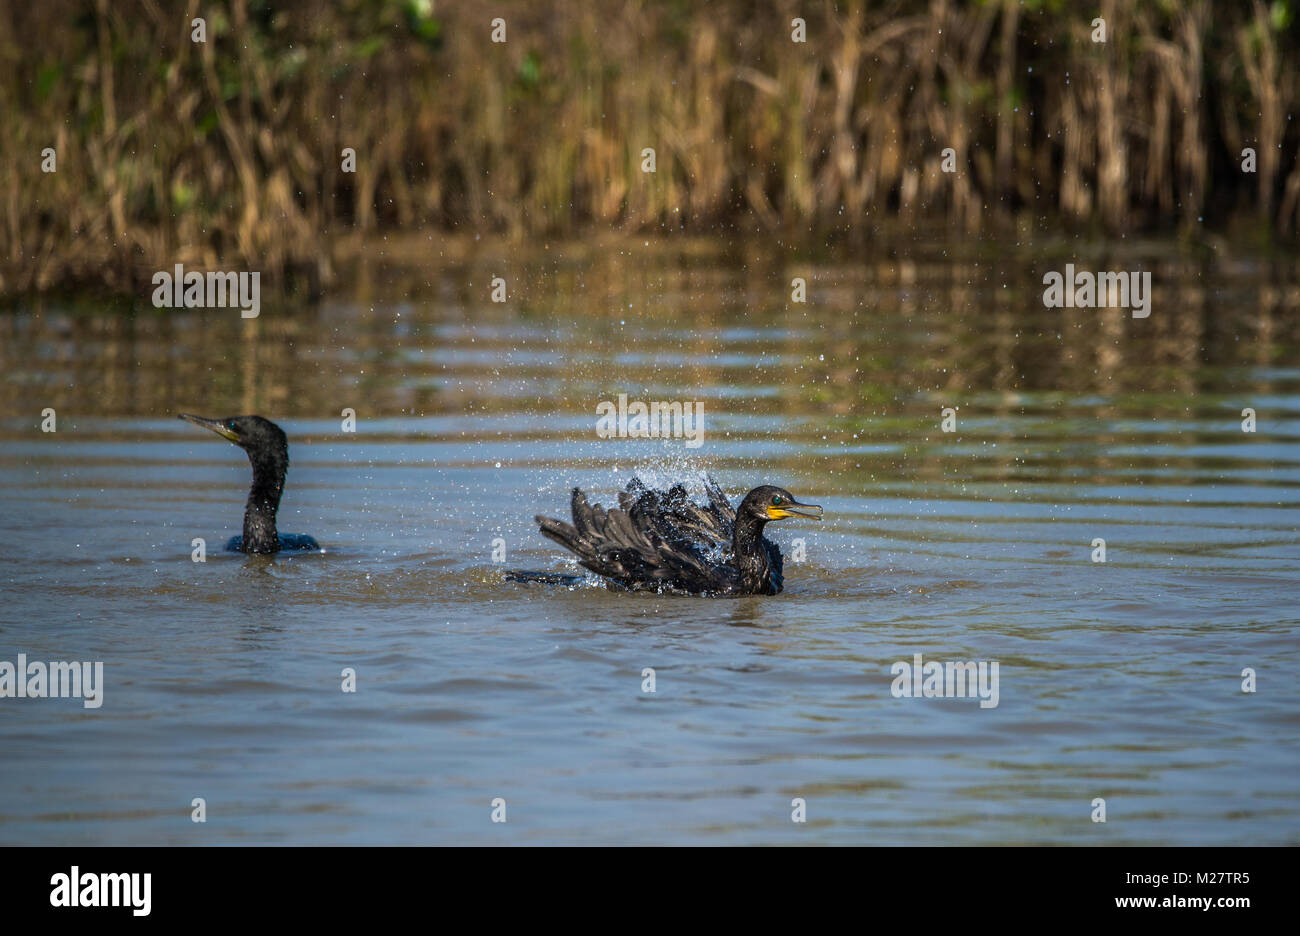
x=228, y=153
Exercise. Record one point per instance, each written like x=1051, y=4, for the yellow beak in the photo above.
x=215, y=425
x=808, y=511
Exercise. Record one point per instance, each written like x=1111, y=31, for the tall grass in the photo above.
x=228, y=153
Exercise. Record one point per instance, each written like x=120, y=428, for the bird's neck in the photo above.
x=260, y=535
x=749, y=552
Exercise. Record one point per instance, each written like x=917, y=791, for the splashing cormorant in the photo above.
x=662, y=541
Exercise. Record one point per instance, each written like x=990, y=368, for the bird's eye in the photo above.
x=776, y=500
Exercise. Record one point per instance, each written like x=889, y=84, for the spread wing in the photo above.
x=653, y=539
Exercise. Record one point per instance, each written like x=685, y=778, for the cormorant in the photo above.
x=662, y=541
x=268, y=451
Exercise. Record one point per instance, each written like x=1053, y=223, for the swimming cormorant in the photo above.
x=662, y=541
x=268, y=451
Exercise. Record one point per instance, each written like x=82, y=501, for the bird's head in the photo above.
x=263, y=440
x=774, y=503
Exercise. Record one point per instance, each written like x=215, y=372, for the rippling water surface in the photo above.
x=1119, y=680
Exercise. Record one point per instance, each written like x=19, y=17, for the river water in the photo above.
x=223, y=680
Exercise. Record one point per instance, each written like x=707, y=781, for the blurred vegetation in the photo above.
x=227, y=153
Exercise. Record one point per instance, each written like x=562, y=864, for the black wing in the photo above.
x=775, y=566
x=653, y=539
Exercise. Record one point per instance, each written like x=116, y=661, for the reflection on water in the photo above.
x=1120, y=680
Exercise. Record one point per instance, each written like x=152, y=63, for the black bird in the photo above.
x=663, y=541
x=268, y=451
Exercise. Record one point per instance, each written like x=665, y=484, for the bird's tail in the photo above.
x=527, y=577
x=568, y=536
